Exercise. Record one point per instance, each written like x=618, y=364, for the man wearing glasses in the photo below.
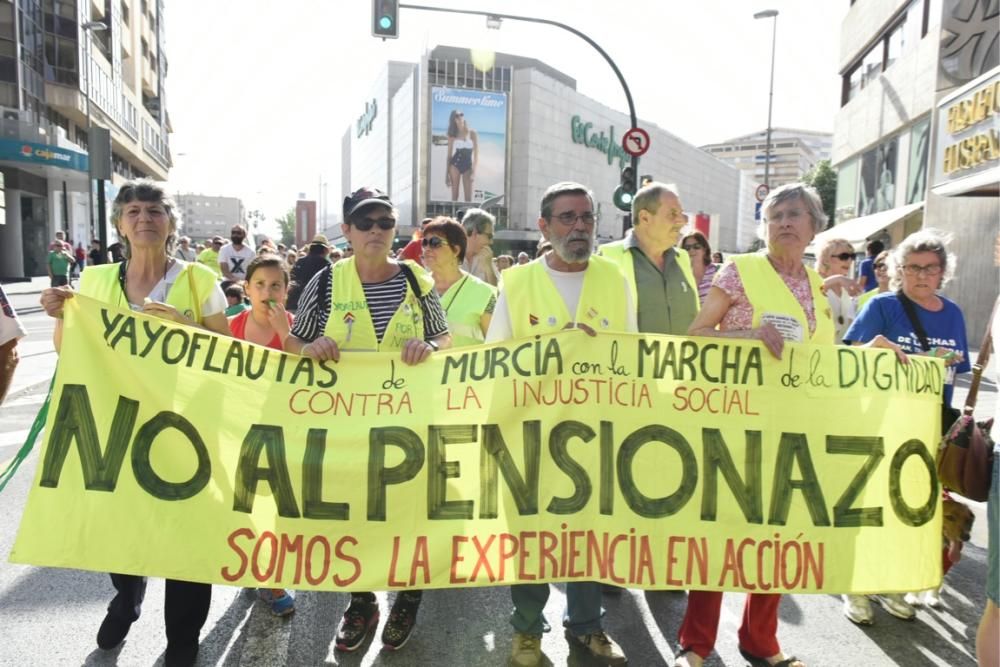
x=478, y=253
x=658, y=273
x=565, y=288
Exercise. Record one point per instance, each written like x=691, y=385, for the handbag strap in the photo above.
x=911, y=314
x=982, y=359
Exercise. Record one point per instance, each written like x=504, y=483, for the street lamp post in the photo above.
x=88, y=28
x=767, y=14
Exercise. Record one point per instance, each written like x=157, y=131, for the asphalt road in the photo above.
x=50, y=616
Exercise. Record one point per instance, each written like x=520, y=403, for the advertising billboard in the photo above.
x=468, y=161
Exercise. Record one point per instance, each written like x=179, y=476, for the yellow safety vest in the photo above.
x=187, y=294
x=536, y=307
x=350, y=322
x=464, y=304
x=210, y=258
x=622, y=256
x=768, y=293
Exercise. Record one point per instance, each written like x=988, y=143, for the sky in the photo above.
x=260, y=92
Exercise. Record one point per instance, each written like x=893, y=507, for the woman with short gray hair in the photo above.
x=478, y=254
x=914, y=316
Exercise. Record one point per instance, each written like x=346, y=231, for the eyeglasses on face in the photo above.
x=881, y=266
x=843, y=257
x=916, y=269
x=433, y=242
x=569, y=218
x=365, y=224
x=693, y=246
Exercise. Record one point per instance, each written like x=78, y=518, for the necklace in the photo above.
x=123, y=278
x=455, y=295
x=797, y=273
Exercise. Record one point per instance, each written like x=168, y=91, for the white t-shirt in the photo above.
x=10, y=326
x=188, y=255
x=569, y=285
x=214, y=302
x=236, y=261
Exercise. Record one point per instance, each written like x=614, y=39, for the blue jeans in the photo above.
x=993, y=525
x=583, y=608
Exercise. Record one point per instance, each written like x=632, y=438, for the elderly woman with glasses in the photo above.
x=771, y=297
x=698, y=249
x=914, y=316
x=834, y=260
x=478, y=226
x=154, y=282
x=395, y=308
x=468, y=302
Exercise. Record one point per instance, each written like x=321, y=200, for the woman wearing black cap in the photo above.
x=394, y=307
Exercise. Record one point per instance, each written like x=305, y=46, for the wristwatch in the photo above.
x=434, y=345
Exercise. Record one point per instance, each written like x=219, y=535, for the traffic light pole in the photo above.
x=531, y=19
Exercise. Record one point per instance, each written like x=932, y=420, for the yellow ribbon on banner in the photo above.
x=644, y=461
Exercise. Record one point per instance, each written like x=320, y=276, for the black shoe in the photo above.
x=360, y=619
x=180, y=654
x=112, y=632
x=402, y=619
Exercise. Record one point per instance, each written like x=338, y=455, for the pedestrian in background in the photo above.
x=60, y=263
x=235, y=256
x=97, y=254
x=156, y=284
x=881, y=268
x=185, y=251
x=866, y=270
x=834, y=259
x=11, y=330
x=210, y=255
x=479, y=255
x=306, y=267
x=698, y=249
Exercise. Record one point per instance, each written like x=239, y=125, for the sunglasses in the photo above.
x=433, y=242
x=844, y=256
x=365, y=224
x=693, y=246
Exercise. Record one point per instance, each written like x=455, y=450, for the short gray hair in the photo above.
x=648, y=198
x=479, y=221
x=144, y=190
x=790, y=191
x=925, y=240
x=560, y=189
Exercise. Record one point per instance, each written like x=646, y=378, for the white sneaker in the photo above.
x=931, y=597
x=895, y=604
x=858, y=609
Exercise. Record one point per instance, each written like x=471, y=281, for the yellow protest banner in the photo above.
x=644, y=461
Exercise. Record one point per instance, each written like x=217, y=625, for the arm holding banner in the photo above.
x=714, y=309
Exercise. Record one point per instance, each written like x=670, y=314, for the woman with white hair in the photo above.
x=914, y=316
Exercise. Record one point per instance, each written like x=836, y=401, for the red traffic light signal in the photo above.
x=385, y=19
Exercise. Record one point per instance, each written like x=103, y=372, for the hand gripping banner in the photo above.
x=644, y=461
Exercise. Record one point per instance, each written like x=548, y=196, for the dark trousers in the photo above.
x=184, y=612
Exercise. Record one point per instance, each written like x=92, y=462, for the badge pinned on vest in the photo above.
x=189, y=314
x=605, y=323
x=349, y=321
x=552, y=320
x=532, y=320
x=591, y=313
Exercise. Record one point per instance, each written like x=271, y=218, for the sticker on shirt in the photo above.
x=789, y=327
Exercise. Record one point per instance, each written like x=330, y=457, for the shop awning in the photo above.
x=859, y=230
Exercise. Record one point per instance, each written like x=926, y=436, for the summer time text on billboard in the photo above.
x=468, y=144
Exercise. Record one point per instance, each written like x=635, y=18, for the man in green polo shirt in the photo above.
x=658, y=272
x=60, y=262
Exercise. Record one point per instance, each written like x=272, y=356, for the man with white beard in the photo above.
x=566, y=288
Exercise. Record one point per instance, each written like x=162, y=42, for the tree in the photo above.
x=824, y=179
x=286, y=224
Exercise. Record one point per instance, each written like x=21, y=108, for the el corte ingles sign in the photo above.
x=583, y=133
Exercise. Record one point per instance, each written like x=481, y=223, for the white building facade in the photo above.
x=534, y=130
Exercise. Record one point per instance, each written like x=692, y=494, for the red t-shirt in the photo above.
x=238, y=327
x=413, y=251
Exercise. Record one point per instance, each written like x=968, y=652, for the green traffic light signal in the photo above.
x=385, y=19
x=623, y=199
x=385, y=22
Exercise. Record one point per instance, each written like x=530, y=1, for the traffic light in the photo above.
x=385, y=19
x=625, y=192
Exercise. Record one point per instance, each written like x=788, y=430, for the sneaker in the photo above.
x=896, y=605
x=526, y=650
x=402, y=619
x=281, y=603
x=931, y=597
x=858, y=609
x=600, y=646
x=112, y=632
x=360, y=618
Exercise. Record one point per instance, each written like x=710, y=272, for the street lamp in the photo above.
x=768, y=14
x=88, y=28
